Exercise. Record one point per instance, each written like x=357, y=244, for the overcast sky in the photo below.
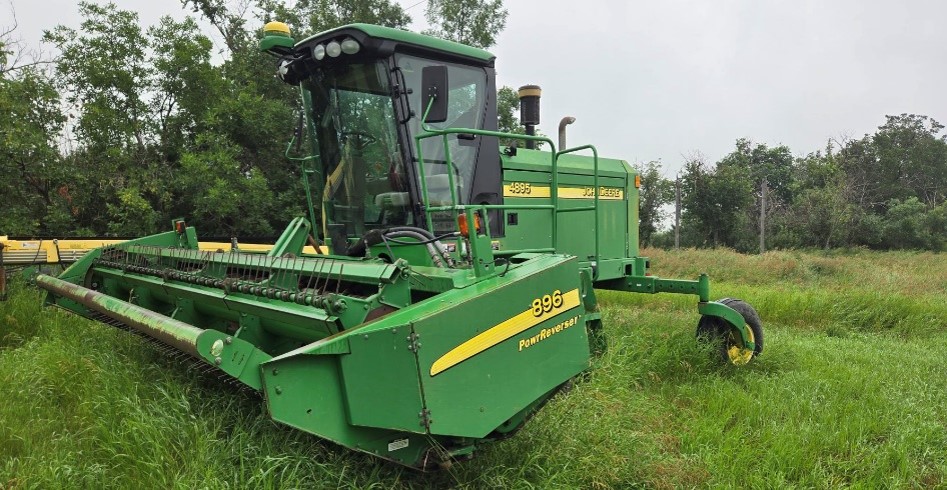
x=659, y=80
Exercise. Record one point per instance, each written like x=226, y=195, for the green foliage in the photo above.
x=869, y=230
x=774, y=165
x=223, y=195
x=714, y=202
x=314, y=16
x=141, y=97
x=473, y=22
x=132, y=215
x=906, y=157
x=508, y=105
x=909, y=224
x=882, y=191
x=936, y=223
x=912, y=157
x=29, y=122
x=186, y=86
x=231, y=24
x=654, y=194
x=103, y=69
x=149, y=104
x=821, y=213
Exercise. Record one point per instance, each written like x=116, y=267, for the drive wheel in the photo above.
x=717, y=330
x=598, y=342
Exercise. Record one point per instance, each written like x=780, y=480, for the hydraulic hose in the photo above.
x=433, y=249
x=430, y=236
x=437, y=250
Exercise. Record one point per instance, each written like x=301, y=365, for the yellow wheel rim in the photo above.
x=735, y=351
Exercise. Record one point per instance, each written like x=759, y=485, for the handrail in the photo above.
x=430, y=132
x=444, y=133
x=307, y=107
x=596, y=192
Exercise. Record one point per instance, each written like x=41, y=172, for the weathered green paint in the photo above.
x=292, y=240
x=381, y=366
x=233, y=355
x=652, y=284
x=168, y=330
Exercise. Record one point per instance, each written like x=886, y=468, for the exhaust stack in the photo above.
x=562, y=130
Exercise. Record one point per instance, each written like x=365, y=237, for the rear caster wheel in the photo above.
x=717, y=330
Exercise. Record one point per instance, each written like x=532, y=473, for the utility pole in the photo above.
x=763, y=216
x=677, y=213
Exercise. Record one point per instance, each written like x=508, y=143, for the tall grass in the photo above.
x=849, y=392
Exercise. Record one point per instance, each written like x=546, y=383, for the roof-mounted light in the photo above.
x=333, y=49
x=350, y=46
x=319, y=52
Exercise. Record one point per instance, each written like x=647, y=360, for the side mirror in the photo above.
x=434, y=87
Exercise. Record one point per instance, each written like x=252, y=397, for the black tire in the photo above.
x=752, y=319
x=598, y=342
x=717, y=330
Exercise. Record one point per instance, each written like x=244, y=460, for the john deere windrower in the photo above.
x=455, y=292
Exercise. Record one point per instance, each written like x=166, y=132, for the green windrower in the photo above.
x=454, y=288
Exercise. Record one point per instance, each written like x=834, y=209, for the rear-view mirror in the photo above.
x=434, y=87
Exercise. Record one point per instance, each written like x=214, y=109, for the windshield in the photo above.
x=353, y=119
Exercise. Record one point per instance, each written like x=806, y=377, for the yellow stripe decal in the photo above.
x=527, y=190
x=500, y=332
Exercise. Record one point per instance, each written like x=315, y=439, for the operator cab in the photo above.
x=362, y=97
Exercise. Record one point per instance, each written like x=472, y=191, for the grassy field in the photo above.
x=851, y=391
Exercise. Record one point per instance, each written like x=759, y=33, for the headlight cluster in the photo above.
x=335, y=48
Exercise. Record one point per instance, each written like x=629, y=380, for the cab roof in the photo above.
x=411, y=39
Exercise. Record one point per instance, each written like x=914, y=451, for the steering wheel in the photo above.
x=359, y=140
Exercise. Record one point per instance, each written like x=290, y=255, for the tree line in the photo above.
x=130, y=126
x=885, y=190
